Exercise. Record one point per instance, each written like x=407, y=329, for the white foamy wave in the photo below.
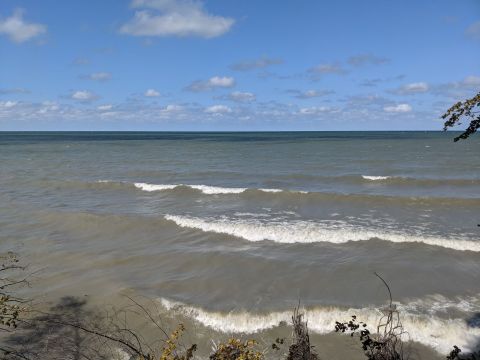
x=154, y=187
x=213, y=190
x=437, y=303
x=373, y=178
x=300, y=231
x=440, y=334
x=206, y=189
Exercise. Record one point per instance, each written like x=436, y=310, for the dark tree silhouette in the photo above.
x=467, y=110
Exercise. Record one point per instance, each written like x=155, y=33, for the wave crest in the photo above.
x=301, y=231
x=440, y=334
x=374, y=178
x=206, y=189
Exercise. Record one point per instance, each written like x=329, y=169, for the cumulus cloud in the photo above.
x=260, y=63
x=48, y=107
x=269, y=114
x=84, y=96
x=400, y=108
x=151, y=93
x=8, y=104
x=175, y=18
x=474, y=30
x=105, y=107
x=218, y=109
x=211, y=84
x=308, y=94
x=458, y=89
x=471, y=81
x=99, y=76
x=367, y=59
x=239, y=96
x=411, y=89
x=172, y=108
x=18, y=30
x=314, y=110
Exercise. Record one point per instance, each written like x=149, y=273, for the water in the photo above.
x=230, y=230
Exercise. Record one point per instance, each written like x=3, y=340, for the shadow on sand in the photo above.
x=48, y=335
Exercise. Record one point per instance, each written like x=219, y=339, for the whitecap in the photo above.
x=302, y=231
x=154, y=187
x=439, y=333
x=374, y=178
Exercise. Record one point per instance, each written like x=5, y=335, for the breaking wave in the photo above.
x=434, y=331
x=206, y=189
x=373, y=178
x=291, y=194
x=301, y=231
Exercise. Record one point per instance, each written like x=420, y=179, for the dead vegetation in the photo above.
x=301, y=347
x=386, y=343
x=72, y=330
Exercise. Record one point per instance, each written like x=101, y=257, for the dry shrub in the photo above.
x=235, y=349
x=170, y=349
x=300, y=348
x=386, y=343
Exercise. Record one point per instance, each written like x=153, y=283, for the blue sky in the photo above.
x=235, y=64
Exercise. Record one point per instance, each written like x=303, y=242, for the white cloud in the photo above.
x=84, y=96
x=314, y=110
x=100, y=76
x=308, y=94
x=175, y=18
x=471, y=81
x=8, y=104
x=474, y=30
x=242, y=96
x=105, y=107
x=457, y=90
x=18, y=30
x=260, y=63
x=218, y=109
x=224, y=81
x=412, y=88
x=172, y=108
x=139, y=115
x=151, y=93
x=212, y=83
x=400, y=108
x=48, y=107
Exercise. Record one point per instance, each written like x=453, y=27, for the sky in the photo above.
x=235, y=65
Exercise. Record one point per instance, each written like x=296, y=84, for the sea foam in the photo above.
x=301, y=231
x=206, y=189
x=439, y=333
x=374, y=178
x=154, y=187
